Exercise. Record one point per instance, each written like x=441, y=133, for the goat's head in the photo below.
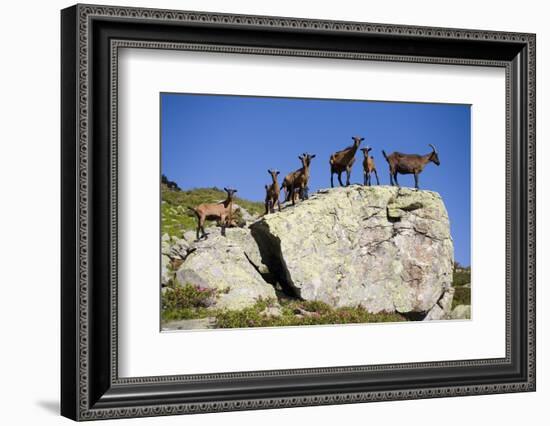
x=230, y=192
x=366, y=151
x=273, y=173
x=357, y=141
x=306, y=158
x=434, y=157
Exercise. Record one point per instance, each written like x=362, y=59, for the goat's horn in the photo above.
x=433, y=147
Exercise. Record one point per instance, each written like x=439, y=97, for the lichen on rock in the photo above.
x=231, y=265
x=384, y=248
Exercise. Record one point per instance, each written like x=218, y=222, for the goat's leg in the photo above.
x=340, y=178
x=395, y=179
x=416, y=180
x=376, y=174
x=292, y=191
x=331, y=179
x=365, y=178
x=279, y=204
x=348, y=173
x=201, y=228
x=223, y=221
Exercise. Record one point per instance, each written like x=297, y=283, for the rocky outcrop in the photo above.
x=231, y=265
x=173, y=252
x=386, y=249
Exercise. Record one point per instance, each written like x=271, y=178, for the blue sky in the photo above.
x=213, y=140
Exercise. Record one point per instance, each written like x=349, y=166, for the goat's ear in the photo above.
x=312, y=156
x=225, y=189
x=277, y=172
x=362, y=139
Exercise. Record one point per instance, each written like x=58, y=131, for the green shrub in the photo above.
x=188, y=301
x=461, y=277
x=462, y=296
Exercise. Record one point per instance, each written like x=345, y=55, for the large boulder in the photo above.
x=384, y=248
x=231, y=265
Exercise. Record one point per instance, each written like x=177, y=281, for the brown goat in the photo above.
x=342, y=161
x=368, y=167
x=407, y=164
x=215, y=211
x=272, y=193
x=298, y=180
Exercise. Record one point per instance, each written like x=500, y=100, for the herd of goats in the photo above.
x=295, y=184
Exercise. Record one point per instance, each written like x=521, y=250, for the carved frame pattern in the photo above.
x=85, y=14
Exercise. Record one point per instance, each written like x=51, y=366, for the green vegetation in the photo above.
x=461, y=277
x=297, y=312
x=191, y=302
x=176, y=217
x=462, y=296
x=186, y=302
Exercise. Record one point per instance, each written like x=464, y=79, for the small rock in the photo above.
x=166, y=273
x=179, y=248
x=272, y=311
x=166, y=290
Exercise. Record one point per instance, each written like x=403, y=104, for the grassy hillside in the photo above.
x=176, y=218
x=461, y=281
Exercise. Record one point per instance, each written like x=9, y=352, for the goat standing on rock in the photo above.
x=215, y=211
x=298, y=180
x=407, y=164
x=368, y=167
x=272, y=193
x=342, y=161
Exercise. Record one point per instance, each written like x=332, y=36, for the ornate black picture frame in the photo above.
x=91, y=387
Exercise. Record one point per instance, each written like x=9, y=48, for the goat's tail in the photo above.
x=385, y=156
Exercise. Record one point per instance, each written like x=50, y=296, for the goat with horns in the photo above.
x=407, y=164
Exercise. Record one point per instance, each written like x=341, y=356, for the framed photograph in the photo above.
x=263, y=212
